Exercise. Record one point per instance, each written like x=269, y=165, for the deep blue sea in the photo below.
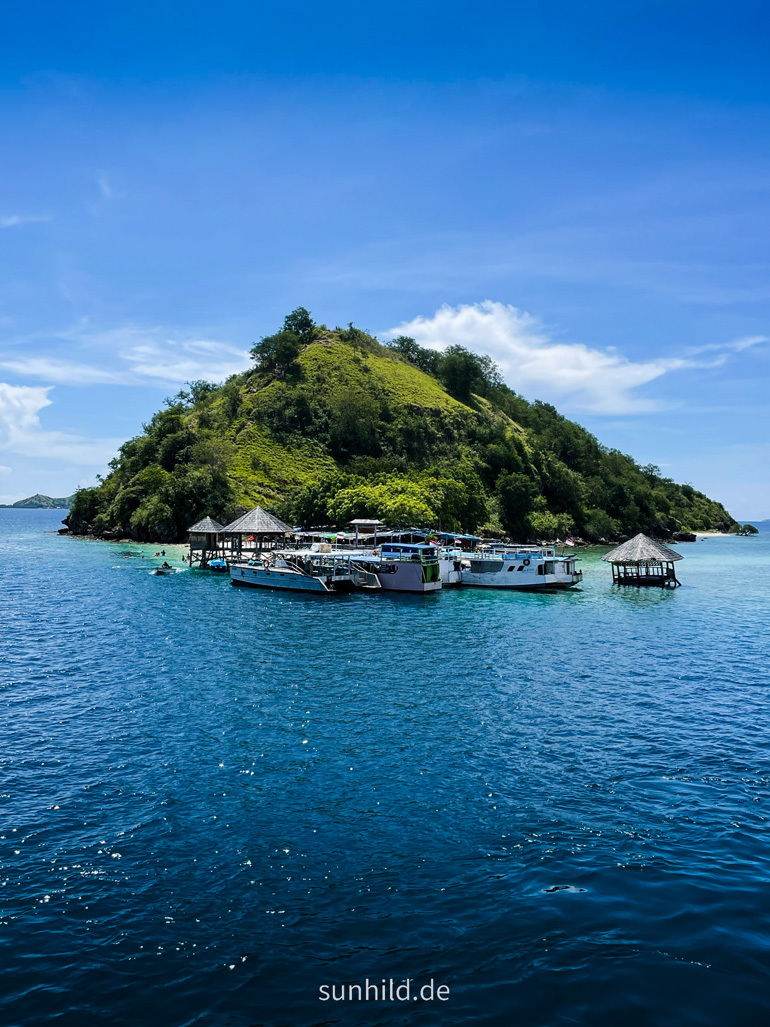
x=217, y=802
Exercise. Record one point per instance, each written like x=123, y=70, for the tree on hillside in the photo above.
x=426, y=360
x=516, y=494
x=200, y=390
x=301, y=324
x=354, y=422
x=463, y=373
x=277, y=352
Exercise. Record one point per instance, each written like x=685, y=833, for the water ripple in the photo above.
x=556, y=805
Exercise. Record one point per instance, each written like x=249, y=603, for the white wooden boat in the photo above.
x=451, y=563
x=528, y=568
x=403, y=568
x=304, y=570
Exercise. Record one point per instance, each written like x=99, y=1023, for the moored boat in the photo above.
x=303, y=570
x=528, y=568
x=451, y=563
x=404, y=568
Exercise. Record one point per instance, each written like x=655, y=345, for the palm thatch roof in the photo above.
x=207, y=526
x=641, y=549
x=257, y=522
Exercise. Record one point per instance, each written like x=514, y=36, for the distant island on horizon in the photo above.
x=39, y=502
x=759, y=525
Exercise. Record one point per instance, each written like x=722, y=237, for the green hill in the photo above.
x=330, y=424
x=38, y=502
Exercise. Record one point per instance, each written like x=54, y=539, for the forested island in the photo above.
x=331, y=424
x=39, y=502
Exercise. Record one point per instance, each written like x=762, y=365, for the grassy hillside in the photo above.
x=330, y=425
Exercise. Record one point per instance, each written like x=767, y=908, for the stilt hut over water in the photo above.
x=254, y=531
x=204, y=541
x=643, y=561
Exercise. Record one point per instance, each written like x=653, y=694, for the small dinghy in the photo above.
x=165, y=568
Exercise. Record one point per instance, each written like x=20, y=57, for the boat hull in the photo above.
x=400, y=576
x=451, y=571
x=548, y=586
x=286, y=580
x=521, y=573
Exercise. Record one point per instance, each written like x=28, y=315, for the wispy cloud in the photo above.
x=63, y=372
x=176, y=361
x=12, y=220
x=106, y=195
x=127, y=356
x=22, y=433
x=723, y=350
x=584, y=378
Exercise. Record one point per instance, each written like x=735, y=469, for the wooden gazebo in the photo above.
x=643, y=561
x=366, y=526
x=253, y=531
x=204, y=540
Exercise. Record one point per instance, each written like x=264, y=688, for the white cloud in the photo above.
x=19, y=409
x=4, y=469
x=175, y=361
x=62, y=372
x=724, y=349
x=21, y=219
x=129, y=356
x=599, y=381
x=21, y=431
x=739, y=345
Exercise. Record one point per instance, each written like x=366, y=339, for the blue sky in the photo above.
x=581, y=190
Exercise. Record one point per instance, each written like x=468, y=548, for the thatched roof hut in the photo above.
x=207, y=526
x=257, y=522
x=643, y=561
x=204, y=540
x=253, y=529
x=641, y=549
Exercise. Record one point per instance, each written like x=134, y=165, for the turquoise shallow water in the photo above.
x=215, y=801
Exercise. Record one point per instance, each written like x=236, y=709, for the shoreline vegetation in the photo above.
x=331, y=424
